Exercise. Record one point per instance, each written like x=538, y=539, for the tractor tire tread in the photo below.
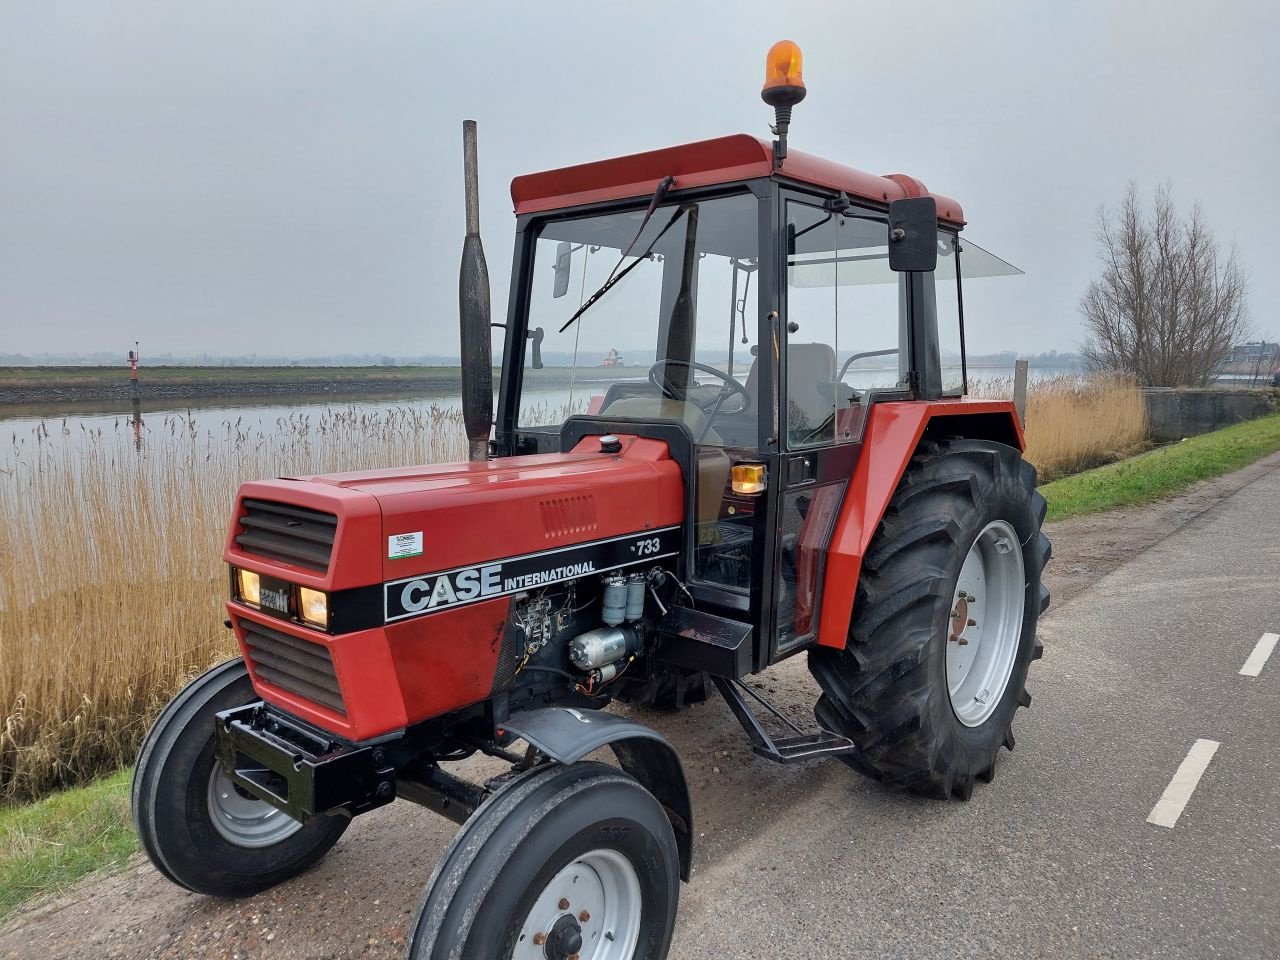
x=880, y=691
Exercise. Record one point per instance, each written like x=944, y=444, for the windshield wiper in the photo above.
x=615, y=276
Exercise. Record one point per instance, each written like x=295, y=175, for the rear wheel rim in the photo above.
x=984, y=630
x=597, y=897
x=243, y=820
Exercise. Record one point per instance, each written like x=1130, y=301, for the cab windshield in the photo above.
x=674, y=339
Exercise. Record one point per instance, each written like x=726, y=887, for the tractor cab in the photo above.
x=765, y=306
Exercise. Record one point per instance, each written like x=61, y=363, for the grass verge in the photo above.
x=47, y=845
x=1165, y=471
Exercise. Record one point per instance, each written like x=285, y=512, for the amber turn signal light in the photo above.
x=783, y=75
x=748, y=478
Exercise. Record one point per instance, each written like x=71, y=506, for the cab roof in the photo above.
x=706, y=162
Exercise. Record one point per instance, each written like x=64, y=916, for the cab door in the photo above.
x=843, y=347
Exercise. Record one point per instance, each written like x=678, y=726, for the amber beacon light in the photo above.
x=783, y=89
x=783, y=75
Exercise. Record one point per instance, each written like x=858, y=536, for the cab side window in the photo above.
x=950, y=331
x=844, y=333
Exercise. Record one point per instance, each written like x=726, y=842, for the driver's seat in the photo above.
x=809, y=365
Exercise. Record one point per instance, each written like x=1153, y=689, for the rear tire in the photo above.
x=586, y=834
x=674, y=689
x=197, y=829
x=900, y=690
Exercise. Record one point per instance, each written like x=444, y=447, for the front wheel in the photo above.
x=567, y=861
x=944, y=622
x=199, y=829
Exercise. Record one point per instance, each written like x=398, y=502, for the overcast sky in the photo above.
x=284, y=177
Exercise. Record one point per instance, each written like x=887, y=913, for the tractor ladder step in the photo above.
x=793, y=749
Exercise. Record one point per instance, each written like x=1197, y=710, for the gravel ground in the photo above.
x=359, y=900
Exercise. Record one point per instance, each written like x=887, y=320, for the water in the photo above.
x=19, y=422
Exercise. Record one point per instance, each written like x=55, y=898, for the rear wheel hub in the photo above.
x=986, y=624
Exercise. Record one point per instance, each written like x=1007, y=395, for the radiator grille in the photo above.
x=294, y=665
x=295, y=535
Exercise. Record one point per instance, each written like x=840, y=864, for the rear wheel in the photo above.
x=944, y=622
x=567, y=861
x=673, y=689
x=198, y=828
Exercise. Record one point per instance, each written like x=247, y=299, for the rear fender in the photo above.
x=893, y=433
x=567, y=734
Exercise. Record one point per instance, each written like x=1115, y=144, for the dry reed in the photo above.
x=111, y=580
x=1075, y=423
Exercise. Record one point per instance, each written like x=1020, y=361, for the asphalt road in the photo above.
x=1056, y=858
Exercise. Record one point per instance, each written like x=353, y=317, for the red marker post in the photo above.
x=136, y=392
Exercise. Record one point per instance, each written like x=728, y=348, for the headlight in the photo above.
x=313, y=607
x=249, y=586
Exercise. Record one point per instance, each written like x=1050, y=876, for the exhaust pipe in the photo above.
x=473, y=312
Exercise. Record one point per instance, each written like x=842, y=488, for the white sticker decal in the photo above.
x=403, y=545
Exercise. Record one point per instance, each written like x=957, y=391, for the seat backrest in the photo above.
x=808, y=365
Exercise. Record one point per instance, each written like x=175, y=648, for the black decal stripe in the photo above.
x=536, y=570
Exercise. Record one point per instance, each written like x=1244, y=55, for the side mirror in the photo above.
x=536, y=335
x=564, y=260
x=913, y=235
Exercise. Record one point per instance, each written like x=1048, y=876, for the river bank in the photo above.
x=44, y=385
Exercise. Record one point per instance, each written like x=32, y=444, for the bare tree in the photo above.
x=1168, y=306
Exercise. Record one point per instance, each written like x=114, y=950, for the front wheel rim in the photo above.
x=984, y=630
x=595, y=899
x=243, y=820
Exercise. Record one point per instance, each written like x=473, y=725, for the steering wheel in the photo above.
x=732, y=387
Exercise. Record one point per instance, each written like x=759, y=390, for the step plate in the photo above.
x=797, y=749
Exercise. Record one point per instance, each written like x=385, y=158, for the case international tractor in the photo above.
x=798, y=473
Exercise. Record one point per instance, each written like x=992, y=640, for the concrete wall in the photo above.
x=1176, y=413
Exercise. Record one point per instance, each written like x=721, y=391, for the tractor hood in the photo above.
x=386, y=525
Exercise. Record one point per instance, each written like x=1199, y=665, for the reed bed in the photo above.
x=111, y=582
x=111, y=579
x=1074, y=423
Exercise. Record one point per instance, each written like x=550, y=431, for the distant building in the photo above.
x=1255, y=351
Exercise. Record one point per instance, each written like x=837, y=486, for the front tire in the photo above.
x=197, y=829
x=925, y=689
x=566, y=861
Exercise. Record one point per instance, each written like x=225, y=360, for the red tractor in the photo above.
x=836, y=497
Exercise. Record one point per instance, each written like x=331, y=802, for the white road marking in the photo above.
x=1258, y=659
x=1171, y=803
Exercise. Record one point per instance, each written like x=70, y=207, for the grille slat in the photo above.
x=294, y=665
x=284, y=528
x=281, y=531
x=288, y=665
